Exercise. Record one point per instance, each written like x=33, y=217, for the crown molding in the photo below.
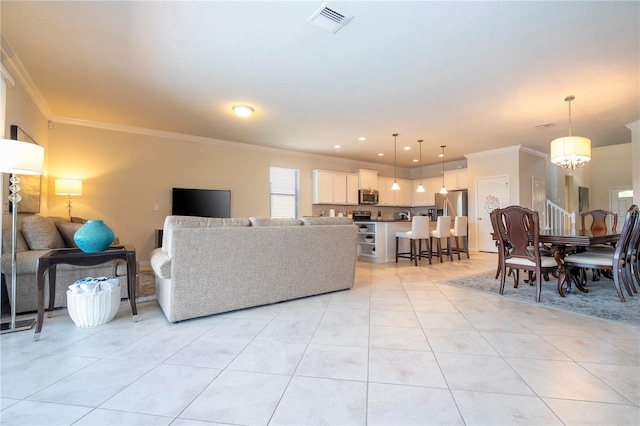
x=16, y=69
x=201, y=139
x=513, y=148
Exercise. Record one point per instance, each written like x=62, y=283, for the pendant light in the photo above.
x=420, y=187
x=395, y=186
x=570, y=152
x=443, y=191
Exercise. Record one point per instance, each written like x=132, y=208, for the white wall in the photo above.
x=612, y=166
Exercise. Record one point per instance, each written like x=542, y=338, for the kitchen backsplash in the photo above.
x=385, y=211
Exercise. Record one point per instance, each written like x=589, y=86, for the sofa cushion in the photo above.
x=268, y=221
x=7, y=235
x=173, y=222
x=41, y=233
x=327, y=221
x=67, y=230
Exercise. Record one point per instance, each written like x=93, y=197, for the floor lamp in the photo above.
x=25, y=158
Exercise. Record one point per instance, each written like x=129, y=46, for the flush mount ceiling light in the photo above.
x=243, y=110
x=395, y=186
x=420, y=187
x=443, y=190
x=362, y=138
x=570, y=152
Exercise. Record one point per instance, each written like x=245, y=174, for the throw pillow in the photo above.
x=41, y=233
x=268, y=221
x=67, y=230
x=327, y=221
x=7, y=235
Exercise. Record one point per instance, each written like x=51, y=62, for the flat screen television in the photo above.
x=201, y=202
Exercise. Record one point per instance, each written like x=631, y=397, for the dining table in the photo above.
x=568, y=240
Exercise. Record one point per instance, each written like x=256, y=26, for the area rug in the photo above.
x=602, y=300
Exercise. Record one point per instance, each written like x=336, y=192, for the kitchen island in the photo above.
x=377, y=239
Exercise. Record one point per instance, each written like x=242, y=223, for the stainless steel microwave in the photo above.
x=368, y=196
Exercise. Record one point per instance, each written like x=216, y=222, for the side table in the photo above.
x=74, y=256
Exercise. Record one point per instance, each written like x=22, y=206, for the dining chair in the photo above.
x=599, y=224
x=519, y=233
x=599, y=220
x=442, y=231
x=419, y=231
x=458, y=231
x=614, y=262
x=632, y=275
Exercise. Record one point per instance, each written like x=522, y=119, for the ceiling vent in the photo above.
x=330, y=18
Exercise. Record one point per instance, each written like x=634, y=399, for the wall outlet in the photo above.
x=156, y=207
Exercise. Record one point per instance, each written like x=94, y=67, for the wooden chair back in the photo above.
x=599, y=220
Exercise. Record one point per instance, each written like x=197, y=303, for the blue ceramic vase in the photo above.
x=93, y=237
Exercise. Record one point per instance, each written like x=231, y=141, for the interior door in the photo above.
x=492, y=193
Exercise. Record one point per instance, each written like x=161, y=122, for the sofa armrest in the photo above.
x=160, y=263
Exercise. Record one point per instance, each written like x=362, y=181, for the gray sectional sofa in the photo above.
x=37, y=236
x=207, y=266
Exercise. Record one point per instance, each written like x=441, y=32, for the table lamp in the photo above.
x=68, y=187
x=17, y=157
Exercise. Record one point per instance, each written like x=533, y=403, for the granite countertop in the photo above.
x=381, y=220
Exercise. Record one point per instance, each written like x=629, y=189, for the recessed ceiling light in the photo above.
x=243, y=110
x=380, y=154
x=415, y=160
x=407, y=148
x=362, y=138
x=440, y=155
x=337, y=146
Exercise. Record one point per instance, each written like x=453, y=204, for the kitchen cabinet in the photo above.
x=389, y=197
x=368, y=179
x=419, y=198
x=352, y=189
x=456, y=179
x=334, y=187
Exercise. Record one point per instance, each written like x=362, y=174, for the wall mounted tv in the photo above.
x=201, y=202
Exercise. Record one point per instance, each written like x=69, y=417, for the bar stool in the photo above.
x=460, y=230
x=419, y=231
x=443, y=230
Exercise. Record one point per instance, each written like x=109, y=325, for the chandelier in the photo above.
x=570, y=152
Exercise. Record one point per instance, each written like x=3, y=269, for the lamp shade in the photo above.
x=570, y=151
x=21, y=157
x=68, y=187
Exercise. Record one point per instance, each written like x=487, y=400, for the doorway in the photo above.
x=620, y=201
x=492, y=193
x=539, y=199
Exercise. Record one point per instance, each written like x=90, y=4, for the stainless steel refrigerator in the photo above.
x=453, y=204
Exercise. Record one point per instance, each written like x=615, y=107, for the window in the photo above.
x=284, y=192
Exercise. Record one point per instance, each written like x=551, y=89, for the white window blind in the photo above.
x=284, y=192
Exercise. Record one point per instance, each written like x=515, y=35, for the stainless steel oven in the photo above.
x=368, y=196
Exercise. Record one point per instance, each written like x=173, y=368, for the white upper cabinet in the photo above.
x=368, y=179
x=456, y=179
x=352, y=188
x=419, y=198
x=334, y=187
x=389, y=197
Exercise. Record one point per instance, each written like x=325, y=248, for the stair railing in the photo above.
x=558, y=219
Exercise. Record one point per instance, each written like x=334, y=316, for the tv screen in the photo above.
x=201, y=202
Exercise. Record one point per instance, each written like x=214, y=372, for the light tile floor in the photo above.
x=397, y=349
